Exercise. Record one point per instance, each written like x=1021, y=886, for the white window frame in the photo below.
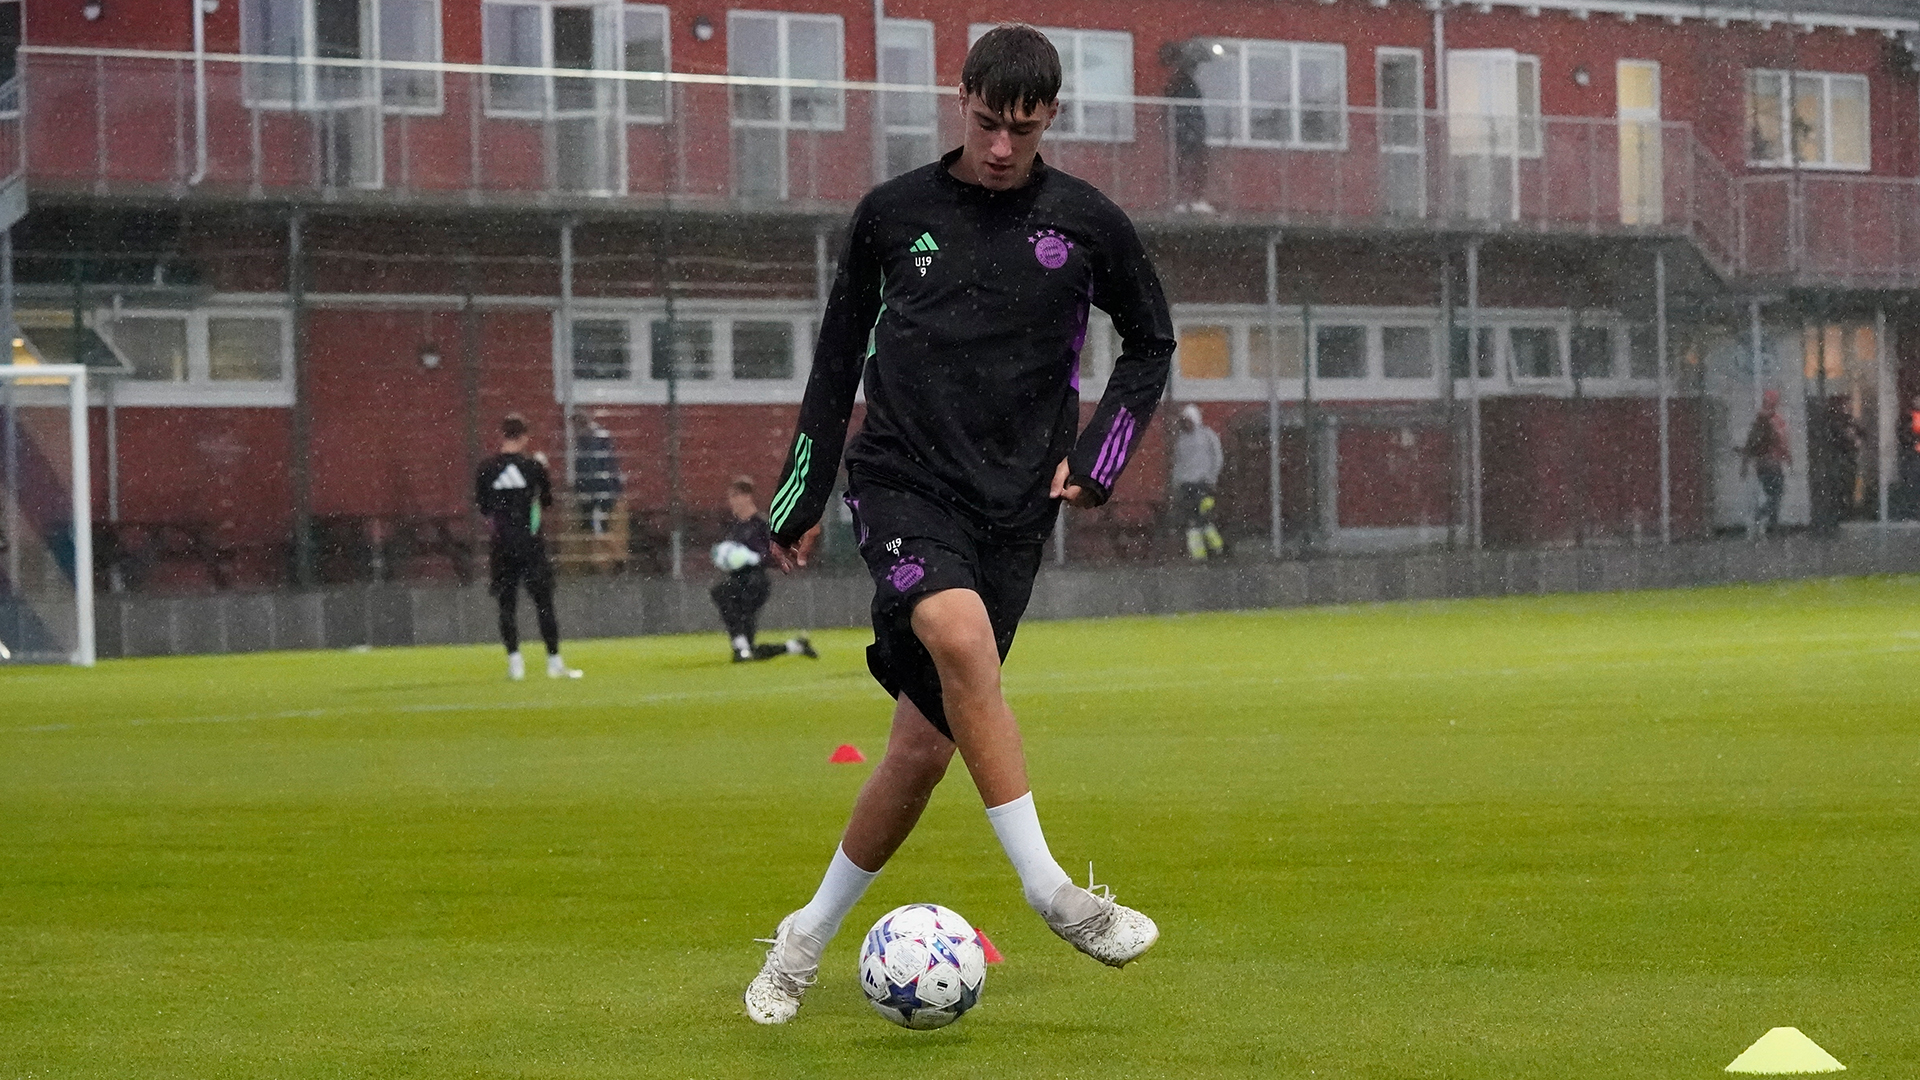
x=436, y=55
x=922, y=31
x=611, y=58
x=1528, y=135
x=1510, y=356
x=306, y=95
x=1436, y=353
x=641, y=388
x=628, y=11
x=1242, y=106
x=1789, y=94
x=10, y=105
x=200, y=388
x=1242, y=320
x=1068, y=41
x=1369, y=351
x=784, y=66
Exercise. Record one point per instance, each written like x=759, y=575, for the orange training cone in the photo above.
x=986, y=946
x=847, y=754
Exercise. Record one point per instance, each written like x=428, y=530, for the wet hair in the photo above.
x=513, y=426
x=742, y=485
x=1014, y=68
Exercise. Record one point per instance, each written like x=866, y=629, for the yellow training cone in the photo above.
x=1784, y=1050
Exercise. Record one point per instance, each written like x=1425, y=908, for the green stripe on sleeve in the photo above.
x=796, y=482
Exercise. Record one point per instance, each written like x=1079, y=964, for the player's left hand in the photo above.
x=1072, y=494
x=789, y=559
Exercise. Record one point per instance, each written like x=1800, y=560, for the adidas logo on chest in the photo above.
x=923, y=251
x=509, y=479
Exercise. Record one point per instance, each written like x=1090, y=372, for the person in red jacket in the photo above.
x=1770, y=455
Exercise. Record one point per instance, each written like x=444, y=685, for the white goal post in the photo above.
x=46, y=526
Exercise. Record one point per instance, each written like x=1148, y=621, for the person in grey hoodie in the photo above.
x=1196, y=473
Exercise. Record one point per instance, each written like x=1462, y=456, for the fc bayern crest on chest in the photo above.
x=1050, y=248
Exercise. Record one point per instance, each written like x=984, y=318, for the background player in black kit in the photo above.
x=514, y=493
x=742, y=556
x=962, y=297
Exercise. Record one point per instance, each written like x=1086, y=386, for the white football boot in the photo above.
x=1114, y=935
x=516, y=666
x=558, y=669
x=774, y=995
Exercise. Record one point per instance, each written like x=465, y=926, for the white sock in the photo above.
x=740, y=644
x=814, y=925
x=793, y=646
x=1018, y=827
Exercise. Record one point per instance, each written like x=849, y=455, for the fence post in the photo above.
x=1660, y=345
x=1273, y=393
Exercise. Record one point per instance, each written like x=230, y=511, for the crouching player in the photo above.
x=744, y=589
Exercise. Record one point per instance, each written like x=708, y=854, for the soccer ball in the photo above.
x=922, y=966
x=731, y=556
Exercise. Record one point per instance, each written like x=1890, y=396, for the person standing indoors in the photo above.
x=514, y=493
x=1196, y=478
x=1770, y=455
x=742, y=557
x=962, y=296
x=1189, y=124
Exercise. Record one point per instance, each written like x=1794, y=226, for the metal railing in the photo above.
x=183, y=125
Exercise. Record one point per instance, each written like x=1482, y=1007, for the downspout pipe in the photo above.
x=876, y=106
x=199, y=92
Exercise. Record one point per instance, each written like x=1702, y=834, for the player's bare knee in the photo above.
x=954, y=628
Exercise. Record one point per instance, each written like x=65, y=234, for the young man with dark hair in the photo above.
x=514, y=493
x=742, y=556
x=962, y=295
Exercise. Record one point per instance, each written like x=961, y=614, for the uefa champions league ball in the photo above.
x=922, y=966
x=730, y=556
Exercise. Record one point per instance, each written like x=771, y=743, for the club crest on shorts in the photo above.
x=1050, y=248
x=907, y=573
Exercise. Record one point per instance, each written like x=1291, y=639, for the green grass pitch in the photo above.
x=1575, y=837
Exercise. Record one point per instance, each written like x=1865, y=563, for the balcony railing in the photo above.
x=220, y=126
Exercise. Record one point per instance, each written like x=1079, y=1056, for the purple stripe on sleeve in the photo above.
x=1108, y=446
x=1119, y=459
x=1113, y=454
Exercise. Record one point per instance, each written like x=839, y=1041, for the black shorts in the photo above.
x=511, y=565
x=915, y=546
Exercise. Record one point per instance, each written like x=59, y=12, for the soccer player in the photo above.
x=740, y=595
x=513, y=492
x=962, y=295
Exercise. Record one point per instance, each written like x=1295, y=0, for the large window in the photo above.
x=1340, y=352
x=1275, y=93
x=306, y=31
x=585, y=37
x=906, y=59
x=712, y=351
x=410, y=31
x=587, y=149
x=1096, y=67
x=10, y=28
x=1493, y=102
x=1807, y=119
x=645, y=47
x=777, y=45
x=203, y=357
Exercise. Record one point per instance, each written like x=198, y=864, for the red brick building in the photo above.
x=333, y=240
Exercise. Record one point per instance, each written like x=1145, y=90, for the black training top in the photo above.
x=512, y=490
x=750, y=533
x=967, y=308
